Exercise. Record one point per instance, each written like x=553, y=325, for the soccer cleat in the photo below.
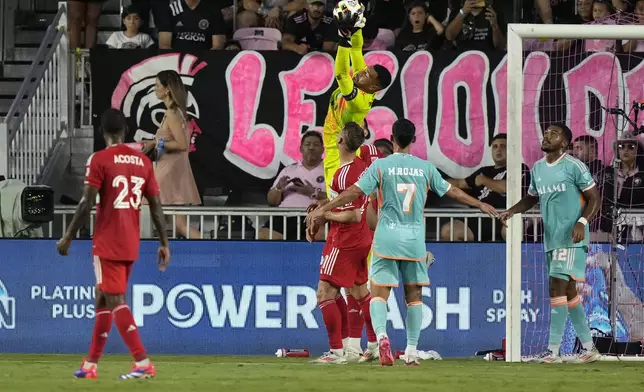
x=330, y=359
x=370, y=355
x=139, y=372
x=410, y=360
x=352, y=355
x=89, y=373
x=545, y=357
x=586, y=356
x=384, y=348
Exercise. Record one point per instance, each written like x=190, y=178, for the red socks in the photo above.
x=354, y=317
x=129, y=331
x=102, y=327
x=366, y=314
x=333, y=322
x=342, y=306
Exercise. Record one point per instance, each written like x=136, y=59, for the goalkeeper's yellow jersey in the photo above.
x=347, y=104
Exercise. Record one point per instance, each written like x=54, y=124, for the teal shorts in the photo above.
x=386, y=272
x=567, y=263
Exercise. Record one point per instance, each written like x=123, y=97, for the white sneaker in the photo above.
x=370, y=354
x=330, y=358
x=410, y=360
x=587, y=356
x=352, y=354
x=545, y=357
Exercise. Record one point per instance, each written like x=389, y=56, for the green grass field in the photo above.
x=207, y=373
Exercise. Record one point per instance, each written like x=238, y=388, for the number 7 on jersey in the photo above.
x=410, y=191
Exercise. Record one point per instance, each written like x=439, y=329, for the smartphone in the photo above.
x=481, y=4
x=297, y=181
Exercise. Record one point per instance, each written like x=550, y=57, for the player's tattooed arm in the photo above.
x=593, y=202
x=345, y=197
x=83, y=211
x=527, y=202
x=347, y=217
x=158, y=219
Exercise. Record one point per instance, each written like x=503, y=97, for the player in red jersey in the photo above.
x=344, y=258
x=367, y=153
x=121, y=177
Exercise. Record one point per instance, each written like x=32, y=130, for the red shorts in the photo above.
x=344, y=267
x=112, y=276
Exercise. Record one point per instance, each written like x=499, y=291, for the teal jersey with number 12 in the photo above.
x=402, y=181
x=560, y=186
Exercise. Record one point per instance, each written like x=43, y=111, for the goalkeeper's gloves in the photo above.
x=349, y=23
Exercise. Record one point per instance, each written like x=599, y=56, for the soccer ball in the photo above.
x=350, y=7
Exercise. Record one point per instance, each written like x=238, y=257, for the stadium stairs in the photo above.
x=27, y=22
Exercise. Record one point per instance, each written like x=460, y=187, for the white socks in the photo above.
x=143, y=363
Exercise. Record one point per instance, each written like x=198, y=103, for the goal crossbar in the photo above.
x=515, y=36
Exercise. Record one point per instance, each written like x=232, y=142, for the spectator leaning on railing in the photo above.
x=298, y=186
x=191, y=25
x=488, y=184
x=131, y=38
x=310, y=30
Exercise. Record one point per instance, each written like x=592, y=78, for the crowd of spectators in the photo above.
x=306, y=25
x=302, y=26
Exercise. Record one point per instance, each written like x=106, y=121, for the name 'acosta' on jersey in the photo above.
x=129, y=159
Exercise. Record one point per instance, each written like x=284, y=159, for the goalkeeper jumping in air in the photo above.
x=353, y=98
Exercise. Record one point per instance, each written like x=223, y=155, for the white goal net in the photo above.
x=590, y=78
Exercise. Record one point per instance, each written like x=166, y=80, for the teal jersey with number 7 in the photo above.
x=402, y=181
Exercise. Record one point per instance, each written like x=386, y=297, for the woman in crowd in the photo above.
x=172, y=170
x=421, y=30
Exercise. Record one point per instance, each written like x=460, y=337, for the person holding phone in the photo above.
x=298, y=185
x=476, y=26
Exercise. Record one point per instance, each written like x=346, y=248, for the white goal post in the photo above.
x=515, y=36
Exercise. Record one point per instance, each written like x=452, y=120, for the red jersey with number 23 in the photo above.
x=356, y=235
x=123, y=177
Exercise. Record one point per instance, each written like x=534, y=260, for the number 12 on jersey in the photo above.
x=410, y=191
x=122, y=183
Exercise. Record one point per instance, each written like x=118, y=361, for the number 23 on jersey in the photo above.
x=130, y=195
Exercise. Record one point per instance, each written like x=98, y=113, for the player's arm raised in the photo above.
x=83, y=210
x=355, y=53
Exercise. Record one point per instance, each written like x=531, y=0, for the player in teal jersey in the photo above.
x=569, y=199
x=402, y=182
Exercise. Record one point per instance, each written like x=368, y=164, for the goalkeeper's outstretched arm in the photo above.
x=343, y=72
x=357, y=58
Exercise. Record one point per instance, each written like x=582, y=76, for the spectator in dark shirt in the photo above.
x=557, y=11
x=627, y=182
x=191, y=25
x=476, y=26
x=310, y=30
x=421, y=31
x=585, y=149
x=489, y=185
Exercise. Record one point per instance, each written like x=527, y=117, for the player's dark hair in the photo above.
x=566, y=131
x=591, y=141
x=500, y=136
x=384, y=76
x=113, y=122
x=404, y=132
x=354, y=136
x=311, y=134
x=384, y=143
